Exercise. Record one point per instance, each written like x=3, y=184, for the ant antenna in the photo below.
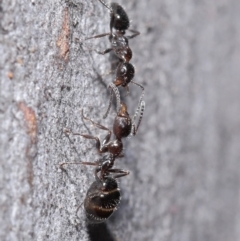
x=86, y=118
x=98, y=36
x=113, y=88
x=78, y=163
x=140, y=100
x=104, y=4
x=79, y=208
x=134, y=128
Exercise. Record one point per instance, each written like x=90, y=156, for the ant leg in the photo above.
x=116, y=92
x=134, y=128
x=105, y=166
x=79, y=208
x=78, y=163
x=114, y=89
x=67, y=131
x=135, y=33
x=104, y=4
x=141, y=108
x=94, y=123
x=100, y=52
x=98, y=36
x=127, y=89
x=109, y=104
x=121, y=155
x=104, y=52
x=140, y=100
x=120, y=172
x=100, y=148
x=98, y=144
x=116, y=61
x=108, y=136
x=108, y=73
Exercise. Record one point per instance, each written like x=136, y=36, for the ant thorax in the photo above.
x=120, y=46
x=118, y=40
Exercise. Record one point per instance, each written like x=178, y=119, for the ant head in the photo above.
x=125, y=73
x=119, y=18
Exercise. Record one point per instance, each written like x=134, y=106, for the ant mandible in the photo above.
x=120, y=22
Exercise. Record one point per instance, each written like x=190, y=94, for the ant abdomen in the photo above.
x=119, y=17
x=102, y=200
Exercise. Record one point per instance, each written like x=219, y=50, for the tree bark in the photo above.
x=184, y=161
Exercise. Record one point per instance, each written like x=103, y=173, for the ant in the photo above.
x=124, y=75
x=120, y=22
x=103, y=196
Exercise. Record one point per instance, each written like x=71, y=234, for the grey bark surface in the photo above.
x=184, y=161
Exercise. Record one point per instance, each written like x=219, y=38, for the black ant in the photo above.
x=124, y=75
x=103, y=196
x=120, y=22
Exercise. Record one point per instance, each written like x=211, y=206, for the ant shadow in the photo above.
x=100, y=232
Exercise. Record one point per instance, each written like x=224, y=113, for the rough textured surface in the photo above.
x=184, y=162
